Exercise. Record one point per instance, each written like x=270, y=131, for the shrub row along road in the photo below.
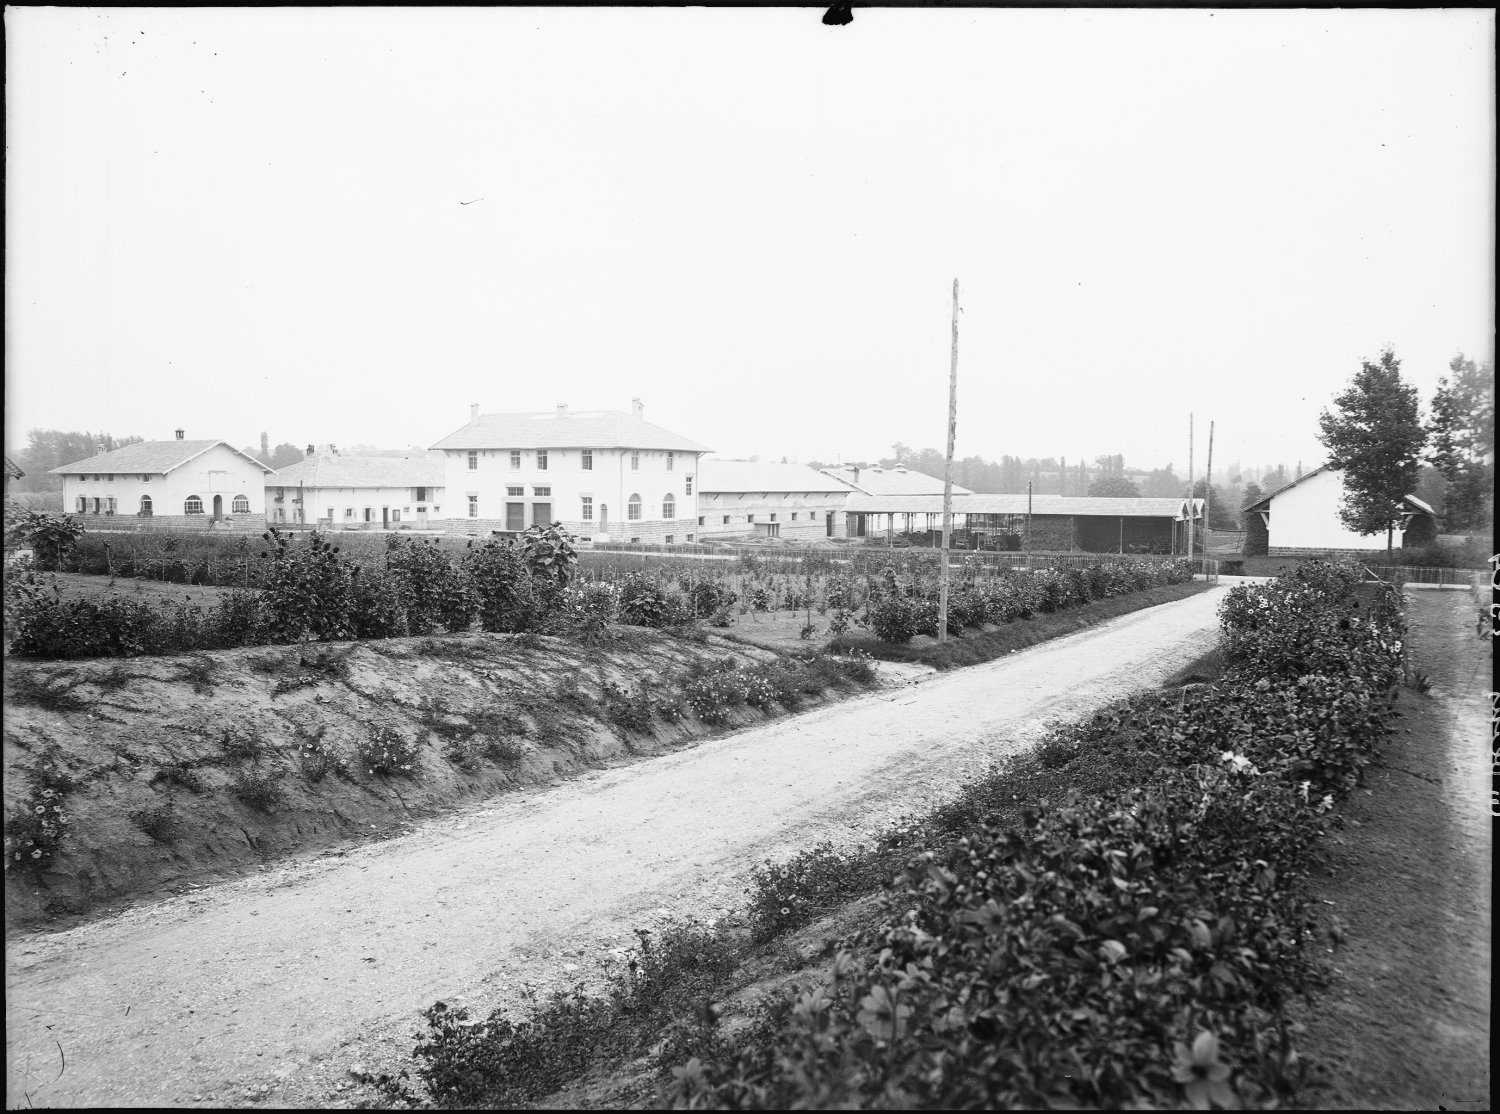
x=273, y=987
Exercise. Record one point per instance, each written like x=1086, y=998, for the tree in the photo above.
x=284, y=455
x=1253, y=495
x=1162, y=483
x=1114, y=487
x=1375, y=439
x=1220, y=515
x=265, y=448
x=1463, y=443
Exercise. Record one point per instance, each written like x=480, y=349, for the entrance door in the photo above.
x=541, y=515
x=604, y=519
x=385, y=518
x=828, y=523
x=218, y=507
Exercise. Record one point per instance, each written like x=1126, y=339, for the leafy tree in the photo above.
x=1253, y=495
x=284, y=455
x=1375, y=439
x=52, y=448
x=1162, y=483
x=1221, y=516
x=1114, y=487
x=1463, y=443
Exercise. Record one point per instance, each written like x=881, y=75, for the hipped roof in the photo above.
x=589, y=429
x=150, y=457
x=716, y=476
x=334, y=470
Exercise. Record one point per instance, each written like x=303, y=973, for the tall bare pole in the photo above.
x=1190, y=488
x=942, y=625
x=1208, y=493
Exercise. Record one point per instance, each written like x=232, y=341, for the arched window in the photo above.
x=633, y=508
x=669, y=506
x=192, y=505
x=241, y=504
x=145, y=506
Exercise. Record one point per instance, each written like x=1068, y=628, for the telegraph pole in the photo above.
x=942, y=630
x=1190, y=489
x=1208, y=494
x=1028, y=524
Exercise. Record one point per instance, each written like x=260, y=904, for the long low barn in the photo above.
x=1058, y=522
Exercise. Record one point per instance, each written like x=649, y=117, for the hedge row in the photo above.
x=1132, y=950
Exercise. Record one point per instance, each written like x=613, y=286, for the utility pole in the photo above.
x=1190, y=488
x=1208, y=494
x=1028, y=524
x=942, y=626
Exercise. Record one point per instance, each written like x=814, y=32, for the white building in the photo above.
x=739, y=498
x=1302, y=519
x=180, y=483
x=340, y=492
x=603, y=474
x=900, y=480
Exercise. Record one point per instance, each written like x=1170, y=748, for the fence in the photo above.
x=1427, y=577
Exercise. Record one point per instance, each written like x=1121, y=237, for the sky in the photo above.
x=347, y=225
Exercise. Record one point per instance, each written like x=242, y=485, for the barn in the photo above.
x=1302, y=519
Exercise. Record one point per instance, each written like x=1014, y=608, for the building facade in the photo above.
x=1302, y=519
x=741, y=498
x=332, y=491
x=179, y=483
x=605, y=475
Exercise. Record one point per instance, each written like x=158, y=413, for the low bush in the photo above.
x=384, y=750
x=159, y=822
x=261, y=791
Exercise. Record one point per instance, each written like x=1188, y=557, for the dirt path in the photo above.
x=272, y=988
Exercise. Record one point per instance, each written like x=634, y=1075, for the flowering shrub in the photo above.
x=430, y=588
x=645, y=602
x=36, y=830
x=384, y=750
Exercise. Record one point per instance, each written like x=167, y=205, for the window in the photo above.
x=541, y=460
x=192, y=505
x=690, y=485
x=515, y=492
x=635, y=462
x=749, y=518
x=690, y=539
x=369, y=514
x=794, y=516
x=700, y=519
x=348, y=512
x=726, y=520
x=473, y=461
x=109, y=505
x=588, y=460
x=396, y=514
x=671, y=460
x=436, y=508
x=145, y=477
x=670, y=539
x=633, y=508
x=145, y=506
x=241, y=504
x=110, y=477
x=82, y=504
x=635, y=541
x=473, y=506
x=515, y=458
x=668, y=506
x=543, y=490
x=421, y=495
x=330, y=514
x=588, y=508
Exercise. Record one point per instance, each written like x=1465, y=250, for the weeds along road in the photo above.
x=271, y=988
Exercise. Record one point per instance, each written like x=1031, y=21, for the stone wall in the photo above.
x=229, y=524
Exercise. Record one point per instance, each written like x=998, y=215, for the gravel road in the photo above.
x=270, y=989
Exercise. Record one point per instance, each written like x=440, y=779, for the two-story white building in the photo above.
x=605, y=475
x=333, y=491
x=179, y=483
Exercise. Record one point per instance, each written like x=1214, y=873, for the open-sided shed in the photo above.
x=1057, y=522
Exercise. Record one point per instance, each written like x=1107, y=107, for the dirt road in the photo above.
x=272, y=988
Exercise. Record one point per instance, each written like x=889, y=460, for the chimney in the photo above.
x=562, y=409
x=179, y=435
x=311, y=450
x=856, y=473
x=473, y=411
x=637, y=411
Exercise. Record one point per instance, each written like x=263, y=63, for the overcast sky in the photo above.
x=236, y=220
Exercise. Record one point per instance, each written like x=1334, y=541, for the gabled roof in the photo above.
x=1265, y=503
x=716, y=475
x=1091, y=506
x=334, y=470
x=588, y=429
x=891, y=481
x=150, y=456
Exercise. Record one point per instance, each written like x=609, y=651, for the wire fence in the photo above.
x=1427, y=577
